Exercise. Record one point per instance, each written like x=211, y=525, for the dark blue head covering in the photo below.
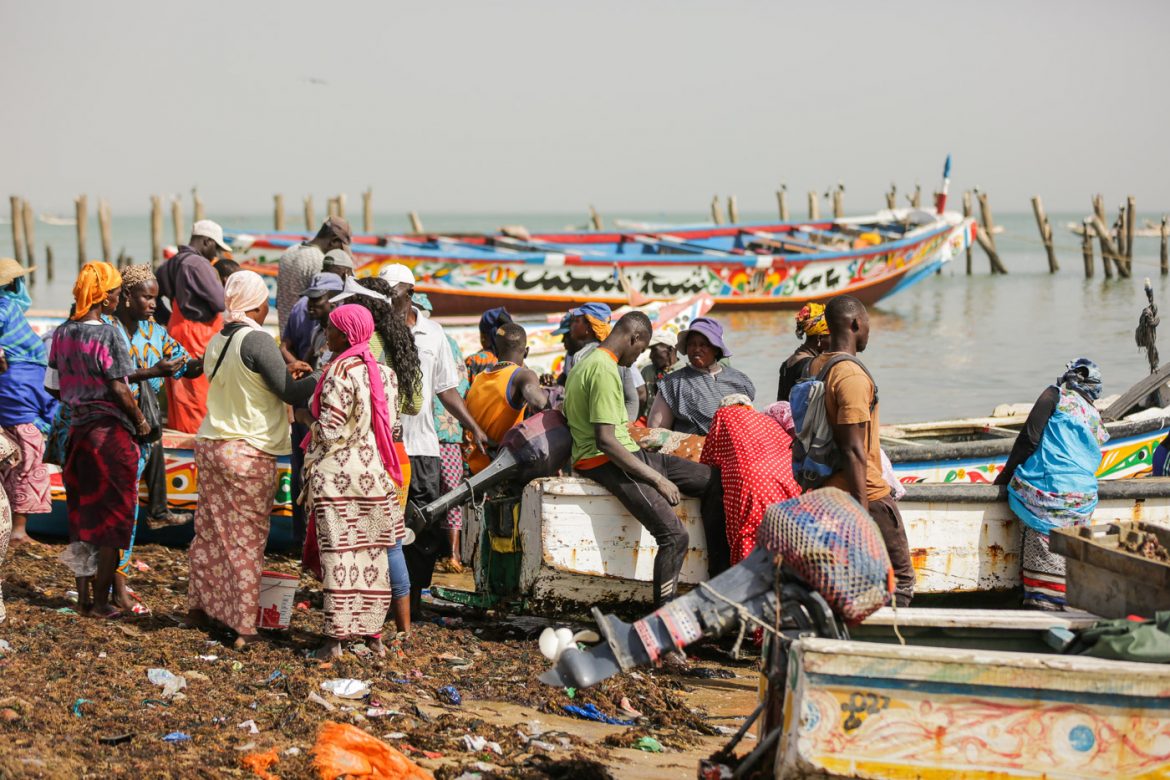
x=491, y=321
x=1084, y=376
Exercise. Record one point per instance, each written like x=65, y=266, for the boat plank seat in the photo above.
x=995, y=619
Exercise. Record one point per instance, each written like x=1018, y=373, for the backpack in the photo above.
x=814, y=452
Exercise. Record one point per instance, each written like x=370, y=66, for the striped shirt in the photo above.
x=17, y=339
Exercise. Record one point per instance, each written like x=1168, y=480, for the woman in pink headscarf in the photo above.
x=352, y=478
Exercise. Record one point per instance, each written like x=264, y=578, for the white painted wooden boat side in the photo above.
x=580, y=545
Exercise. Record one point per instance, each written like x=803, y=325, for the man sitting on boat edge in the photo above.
x=604, y=452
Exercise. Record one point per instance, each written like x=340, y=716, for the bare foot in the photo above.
x=330, y=650
x=104, y=612
x=21, y=539
x=376, y=646
x=244, y=640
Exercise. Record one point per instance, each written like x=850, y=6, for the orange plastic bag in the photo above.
x=259, y=763
x=347, y=751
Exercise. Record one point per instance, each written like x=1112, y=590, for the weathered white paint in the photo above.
x=580, y=544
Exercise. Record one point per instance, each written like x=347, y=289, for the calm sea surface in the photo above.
x=951, y=346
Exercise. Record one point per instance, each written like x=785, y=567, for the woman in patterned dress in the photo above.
x=353, y=476
x=8, y=455
x=245, y=430
x=1051, y=475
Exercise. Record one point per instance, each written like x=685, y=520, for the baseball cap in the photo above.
x=323, y=283
x=339, y=258
x=340, y=228
x=212, y=230
x=397, y=274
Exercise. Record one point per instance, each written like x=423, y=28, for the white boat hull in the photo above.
x=580, y=547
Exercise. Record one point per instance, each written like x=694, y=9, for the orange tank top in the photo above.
x=487, y=401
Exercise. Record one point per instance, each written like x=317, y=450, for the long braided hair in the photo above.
x=401, y=352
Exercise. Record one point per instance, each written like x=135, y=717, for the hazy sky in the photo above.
x=535, y=106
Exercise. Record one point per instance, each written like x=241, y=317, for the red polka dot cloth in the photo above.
x=754, y=455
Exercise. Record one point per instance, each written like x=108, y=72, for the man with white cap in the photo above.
x=440, y=378
x=192, y=315
x=299, y=263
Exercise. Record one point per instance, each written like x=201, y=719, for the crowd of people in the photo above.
x=376, y=407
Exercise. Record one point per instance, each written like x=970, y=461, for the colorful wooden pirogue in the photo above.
x=748, y=266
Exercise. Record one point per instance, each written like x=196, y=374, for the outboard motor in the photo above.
x=538, y=447
x=836, y=568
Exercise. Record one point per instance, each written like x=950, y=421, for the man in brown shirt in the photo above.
x=852, y=409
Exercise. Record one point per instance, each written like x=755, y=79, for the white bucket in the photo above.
x=277, y=592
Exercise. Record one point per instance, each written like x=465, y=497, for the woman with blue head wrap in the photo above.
x=1051, y=475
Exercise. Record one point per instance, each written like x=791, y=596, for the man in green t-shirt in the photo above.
x=604, y=452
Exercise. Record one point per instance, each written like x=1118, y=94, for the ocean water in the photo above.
x=950, y=346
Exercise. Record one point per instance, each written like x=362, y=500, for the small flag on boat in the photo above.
x=940, y=200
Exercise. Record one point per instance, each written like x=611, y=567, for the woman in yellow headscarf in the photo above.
x=89, y=361
x=812, y=327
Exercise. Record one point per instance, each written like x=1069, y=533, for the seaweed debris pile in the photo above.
x=143, y=695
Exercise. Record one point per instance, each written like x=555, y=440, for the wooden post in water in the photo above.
x=16, y=206
x=177, y=221
x=1164, y=265
x=716, y=211
x=26, y=216
x=368, y=210
x=1099, y=211
x=278, y=213
x=416, y=225
x=814, y=206
x=196, y=205
x=595, y=220
x=732, y=210
x=341, y=205
x=782, y=202
x=81, y=207
x=839, y=202
x=1045, y=233
x=309, y=222
x=892, y=197
x=156, y=230
x=916, y=200
x=1130, y=216
x=49, y=262
x=1108, y=248
x=967, y=213
x=1119, y=233
x=104, y=230
x=988, y=233
x=1087, y=247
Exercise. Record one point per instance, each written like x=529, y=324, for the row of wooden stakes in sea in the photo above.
x=1116, y=242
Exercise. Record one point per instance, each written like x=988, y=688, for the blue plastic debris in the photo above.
x=177, y=736
x=450, y=695
x=590, y=712
x=274, y=677
x=77, y=706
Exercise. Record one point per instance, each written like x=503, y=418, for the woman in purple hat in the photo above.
x=689, y=397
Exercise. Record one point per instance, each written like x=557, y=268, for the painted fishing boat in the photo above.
x=748, y=266
x=567, y=543
x=865, y=710
x=182, y=480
